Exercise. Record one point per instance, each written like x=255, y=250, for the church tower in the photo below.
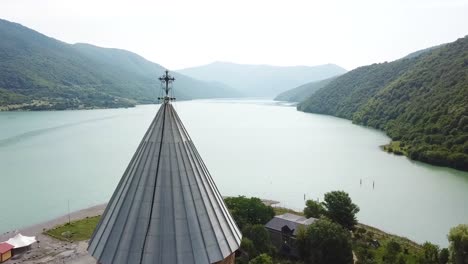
x=166, y=208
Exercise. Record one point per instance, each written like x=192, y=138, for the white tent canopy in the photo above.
x=20, y=241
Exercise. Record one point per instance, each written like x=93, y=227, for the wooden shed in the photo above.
x=5, y=252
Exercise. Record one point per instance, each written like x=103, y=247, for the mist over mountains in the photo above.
x=262, y=80
x=38, y=72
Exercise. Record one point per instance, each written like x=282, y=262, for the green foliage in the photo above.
x=340, y=209
x=444, y=256
x=370, y=246
x=248, y=247
x=64, y=76
x=458, y=238
x=313, y=209
x=325, y=242
x=260, y=238
x=430, y=254
x=392, y=253
x=262, y=259
x=249, y=211
x=365, y=256
x=75, y=231
x=420, y=101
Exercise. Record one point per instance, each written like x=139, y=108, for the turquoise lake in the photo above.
x=251, y=147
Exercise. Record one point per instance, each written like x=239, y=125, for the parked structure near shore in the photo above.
x=21, y=243
x=283, y=230
x=5, y=252
x=166, y=208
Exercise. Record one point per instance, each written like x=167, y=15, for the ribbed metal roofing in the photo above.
x=292, y=221
x=166, y=208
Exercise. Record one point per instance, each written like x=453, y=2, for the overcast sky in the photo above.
x=179, y=34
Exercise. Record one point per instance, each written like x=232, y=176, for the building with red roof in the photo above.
x=5, y=252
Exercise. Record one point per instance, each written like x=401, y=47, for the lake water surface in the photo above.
x=251, y=147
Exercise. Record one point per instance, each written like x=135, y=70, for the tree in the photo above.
x=340, y=209
x=324, y=242
x=261, y=259
x=429, y=254
x=458, y=238
x=391, y=252
x=248, y=247
x=313, y=209
x=364, y=255
x=444, y=256
x=249, y=211
x=259, y=237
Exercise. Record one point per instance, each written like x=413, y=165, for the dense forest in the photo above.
x=38, y=72
x=421, y=101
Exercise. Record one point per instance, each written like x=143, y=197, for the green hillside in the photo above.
x=302, y=92
x=38, y=72
x=420, y=101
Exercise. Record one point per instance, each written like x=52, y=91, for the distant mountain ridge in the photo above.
x=262, y=80
x=38, y=72
x=304, y=91
x=421, y=101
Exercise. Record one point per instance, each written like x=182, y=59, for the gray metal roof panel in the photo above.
x=166, y=208
x=292, y=221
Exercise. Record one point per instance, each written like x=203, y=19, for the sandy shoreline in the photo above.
x=50, y=250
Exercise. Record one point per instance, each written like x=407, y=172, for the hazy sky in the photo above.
x=178, y=34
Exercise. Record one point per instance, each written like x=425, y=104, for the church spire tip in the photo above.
x=166, y=80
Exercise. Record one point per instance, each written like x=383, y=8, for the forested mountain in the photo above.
x=38, y=72
x=420, y=101
x=302, y=92
x=262, y=80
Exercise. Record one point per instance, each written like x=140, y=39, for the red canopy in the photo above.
x=5, y=247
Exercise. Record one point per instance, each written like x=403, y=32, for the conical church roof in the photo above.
x=166, y=208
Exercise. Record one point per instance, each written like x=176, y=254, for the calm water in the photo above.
x=252, y=148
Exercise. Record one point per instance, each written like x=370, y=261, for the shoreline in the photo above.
x=97, y=210
x=51, y=250
x=37, y=229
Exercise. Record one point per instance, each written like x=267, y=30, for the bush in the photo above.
x=249, y=211
x=313, y=209
x=261, y=259
x=259, y=237
x=458, y=238
x=340, y=209
x=325, y=242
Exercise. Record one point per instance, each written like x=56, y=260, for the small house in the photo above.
x=283, y=230
x=5, y=252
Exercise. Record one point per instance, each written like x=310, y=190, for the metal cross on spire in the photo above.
x=166, y=79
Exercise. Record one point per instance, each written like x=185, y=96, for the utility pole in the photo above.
x=69, y=211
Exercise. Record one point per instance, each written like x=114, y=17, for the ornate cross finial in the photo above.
x=166, y=79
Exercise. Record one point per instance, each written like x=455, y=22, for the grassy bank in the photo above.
x=396, y=147
x=75, y=231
